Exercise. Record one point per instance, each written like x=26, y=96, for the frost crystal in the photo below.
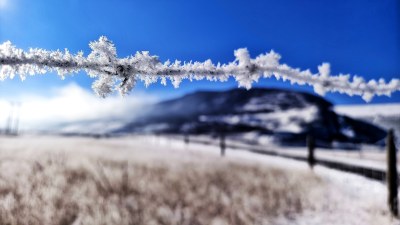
x=121, y=74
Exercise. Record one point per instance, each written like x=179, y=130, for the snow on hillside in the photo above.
x=370, y=110
x=386, y=116
x=281, y=115
x=290, y=120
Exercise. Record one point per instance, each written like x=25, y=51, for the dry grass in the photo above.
x=84, y=181
x=61, y=188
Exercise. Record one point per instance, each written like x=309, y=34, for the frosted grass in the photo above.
x=135, y=181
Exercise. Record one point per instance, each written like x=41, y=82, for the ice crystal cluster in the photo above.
x=121, y=74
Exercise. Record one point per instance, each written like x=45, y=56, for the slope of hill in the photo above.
x=386, y=116
x=284, y=116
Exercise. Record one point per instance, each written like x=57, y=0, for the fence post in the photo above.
x=186, y=139
x=311, y=147
x=222, y=144
x=392, y=175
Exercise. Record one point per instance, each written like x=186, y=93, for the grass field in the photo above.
x=61, y=181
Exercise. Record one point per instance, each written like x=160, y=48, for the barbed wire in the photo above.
x=122, y=74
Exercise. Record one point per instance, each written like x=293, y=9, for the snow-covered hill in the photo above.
x=282, y=116
x=383, y=115
x=386, y=116
x=372, y=111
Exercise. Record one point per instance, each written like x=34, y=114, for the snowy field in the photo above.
x=148, y=180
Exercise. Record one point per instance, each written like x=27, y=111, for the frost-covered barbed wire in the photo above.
x=122, y=74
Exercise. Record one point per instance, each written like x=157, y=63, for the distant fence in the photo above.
x=390, y=176
x=371, y=173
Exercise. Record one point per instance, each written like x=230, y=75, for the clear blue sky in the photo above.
x=356, y=36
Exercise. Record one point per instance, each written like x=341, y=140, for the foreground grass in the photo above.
x=78, y=186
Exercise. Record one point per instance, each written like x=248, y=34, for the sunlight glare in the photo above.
x=3, y=4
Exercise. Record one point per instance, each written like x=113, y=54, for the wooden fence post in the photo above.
x=222, y=144
x=392, y=175
x=186, y=139
x=311, y=147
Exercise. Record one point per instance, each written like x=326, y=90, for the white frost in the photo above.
x=121, y=74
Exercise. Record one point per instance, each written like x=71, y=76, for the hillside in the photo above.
x=386, y=116
x=283, y=116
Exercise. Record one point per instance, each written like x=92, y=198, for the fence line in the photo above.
x=372, y=173
x=390, y=176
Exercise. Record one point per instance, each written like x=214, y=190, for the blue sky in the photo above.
x=357, y=36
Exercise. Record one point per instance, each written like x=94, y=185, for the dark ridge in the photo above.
x=209, y=112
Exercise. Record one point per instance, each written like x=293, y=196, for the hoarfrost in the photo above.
x=122, y=74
